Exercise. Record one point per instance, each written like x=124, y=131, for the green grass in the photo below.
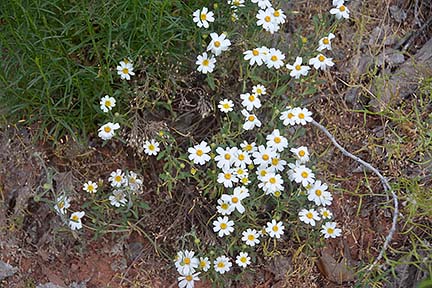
x=59, y=57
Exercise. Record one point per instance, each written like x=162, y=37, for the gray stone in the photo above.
x=6, y=270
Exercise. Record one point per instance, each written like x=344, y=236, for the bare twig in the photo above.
x=384, y=182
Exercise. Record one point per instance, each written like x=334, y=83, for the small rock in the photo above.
x=6, y=270
x=397, y=13
x=391, y=57
x=382, y=35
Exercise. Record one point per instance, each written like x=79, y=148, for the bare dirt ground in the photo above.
x=33, y=241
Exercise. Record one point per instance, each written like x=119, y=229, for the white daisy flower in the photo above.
x=302, y=115
x=118, y=198
x=125, y=69
x=133, y=181
x=275, y=58
x=188, y=280
x=107, y=103
x=107, y=131
x=272, y=182
x=262, y=171
x=241, y=172
x=186, y=262
x=325, y=213
x=341, y=11
x=250, y=237
x=90, y=187
x=218, y=44
x=309, y=216
x=222, y=264
x=75, y=220
x=243, y=259
x=263, y=4
x=277, y=164
x=301, y=154
x=263, y=156
x=250, y=120
x=321, y=62
x=248, y=147
x=202, y=17
x=117, y=178
x=259, y=90
x=325, y=42
x=225, y=157
x=198, y=153
x=267, y=20
x=225, y=207
x=250, y=101
x=204, y=264
x=302, y=174
x=223, y=226
x=151, y=147
x=278, y=16
x=329, y=230
x=275, y=229
x=318, y=193
x=226, y=105
x=62, y=203
x=241, y=159
x=235, y=199
x=277, y=141
x=236, y=3
x=205, y=63
x=297, y=69
x=254, y=57
x=288, y=117
x=227, y=177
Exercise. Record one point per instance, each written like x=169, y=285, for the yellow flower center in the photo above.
x=290, y=115
x=125, y=71
x=255, y=52
x=259, y=91
x=251, y=237
x=61, y=204
x=252, y=98
x=272, y=180
x=251, y=118
x=244, y=180
x=243, y=259
x=221, y=265
x=248, y=147
x=205, y=62
x=236, y=2
x=107, y=129
x=276, y=13
x=224, y=206
x=304, y=174
x=235, y=200
x=325, y=214
x=274, y=58
x=241, y=157
x=199, y=152
x=263, y=173
x=189, y=278
x=298, y=67
x=302, y=153
x=277, y=193
x=309, y=215
x=275, y=228
x=75, y=218
x=301, y=115
x=217, y=44
x=90, y=188
x=226, y=106
x=318, y=192
x=330, y=230
x=118, y=178
x=321, y=58
x=108, y=103
x=227, y=157
x=275, y=161
x=240, y=171
x=267, y=18
x=187, y=260
x=202, y=264
x=265, y=157
x=227, y=176
x=203, y=17
x=277, y=139
x=342, y=8
x=223, y=226
x=326, y=41
x=151, y=147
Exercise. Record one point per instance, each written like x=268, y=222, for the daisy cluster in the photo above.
x=124, y=184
